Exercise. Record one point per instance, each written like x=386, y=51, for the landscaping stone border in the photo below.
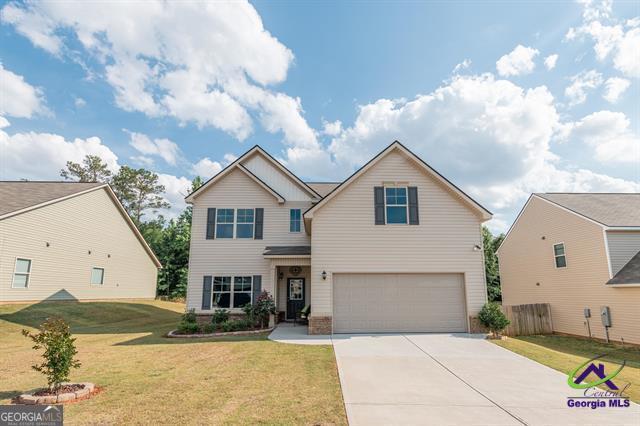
x=84, y=393
x=174, y=334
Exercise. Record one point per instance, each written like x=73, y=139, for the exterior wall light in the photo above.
x=324, y=275
x=477, y=247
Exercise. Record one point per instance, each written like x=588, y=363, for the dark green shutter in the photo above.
x=257, y=232
x=413, y=205
x=257, y=287
x=378, y=200
x=211, y=223
x=206, y=293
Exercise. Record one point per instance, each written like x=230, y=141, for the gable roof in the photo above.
x=629, y=274
x=323, y=188
x=485, y=214
x=238, y=164
x=31, y=195
x=608, y=209
x=20, y=195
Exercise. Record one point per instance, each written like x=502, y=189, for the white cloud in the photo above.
x=614, y=88
x=518, y=62
x=580, y=84
x=331, y=128
x=610, y=135
x=19, y=98
x=176, y=188
x=212, y=68
x=462, y=66
x=550, y=61
x=230, y=158
x=206, y=168
x=163, y=148
x=79, y=102
x=619, y=40
x=4, y=122
x=40, y=156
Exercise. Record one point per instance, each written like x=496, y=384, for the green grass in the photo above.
x=564, y=354
x=147, y=378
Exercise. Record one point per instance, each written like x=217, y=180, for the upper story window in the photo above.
x=396, y=205
x=224, y=223
x=244, y=226
x=21, y=273
x=295, y=219
x=559, y=254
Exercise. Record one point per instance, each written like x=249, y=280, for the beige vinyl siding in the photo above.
x=275, y=178
x=345, y=239
x=73, y=227
x=526, y=259
x=623, y=245
x=229, y=257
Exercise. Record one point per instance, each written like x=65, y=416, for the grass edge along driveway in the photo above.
x=151, y=379
x=564, y=353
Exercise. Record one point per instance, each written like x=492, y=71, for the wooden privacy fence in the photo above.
x=528, y=319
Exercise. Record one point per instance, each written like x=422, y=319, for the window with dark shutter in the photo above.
x=211, y=223
x=259, y=224
x=413, y=205
x=206, y=293
x=378, y=200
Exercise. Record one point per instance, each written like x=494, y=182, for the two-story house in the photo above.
x=581, y=254
x=396, y=247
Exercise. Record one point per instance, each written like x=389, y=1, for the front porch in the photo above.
x=291, y=272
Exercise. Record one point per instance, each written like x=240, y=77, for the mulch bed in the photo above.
x=63, y=389
x=175, y=334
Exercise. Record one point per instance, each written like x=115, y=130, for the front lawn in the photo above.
x=147, y=378
x=566, y=353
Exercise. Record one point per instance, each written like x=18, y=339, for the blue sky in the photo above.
x=472, y=87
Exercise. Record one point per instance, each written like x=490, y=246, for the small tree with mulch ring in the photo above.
x=59, y=354
x=492, y=317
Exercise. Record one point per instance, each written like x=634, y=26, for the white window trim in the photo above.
x=555, y=256
x=28, y=274
x=300, y=221
x=235, y=224
x=231, y=291
x=386, y=216
x=91, y=275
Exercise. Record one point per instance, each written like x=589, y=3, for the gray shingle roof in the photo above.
x=629, y=274
x=16, y=196
x=607, y=209
x=287, y=251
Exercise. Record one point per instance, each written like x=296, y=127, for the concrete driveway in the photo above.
x=446, y=379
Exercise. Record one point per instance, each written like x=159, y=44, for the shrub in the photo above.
x=189, y=316
x=188, y=327
x=264, y=306
x=491, y=316
x=236, y=325
x=59, y=351
x=219, y=316
x=209, y=328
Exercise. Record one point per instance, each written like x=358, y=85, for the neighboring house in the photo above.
x=577, y=251
x=70, y=241
x=395, y=247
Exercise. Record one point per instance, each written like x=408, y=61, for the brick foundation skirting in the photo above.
x=320, y=325
x=475, y=326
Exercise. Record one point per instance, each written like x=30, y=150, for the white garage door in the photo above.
x=364, y=303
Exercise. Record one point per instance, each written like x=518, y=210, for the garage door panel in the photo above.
x=398, y=303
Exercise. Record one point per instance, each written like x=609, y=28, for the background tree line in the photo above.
x=140, y=192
